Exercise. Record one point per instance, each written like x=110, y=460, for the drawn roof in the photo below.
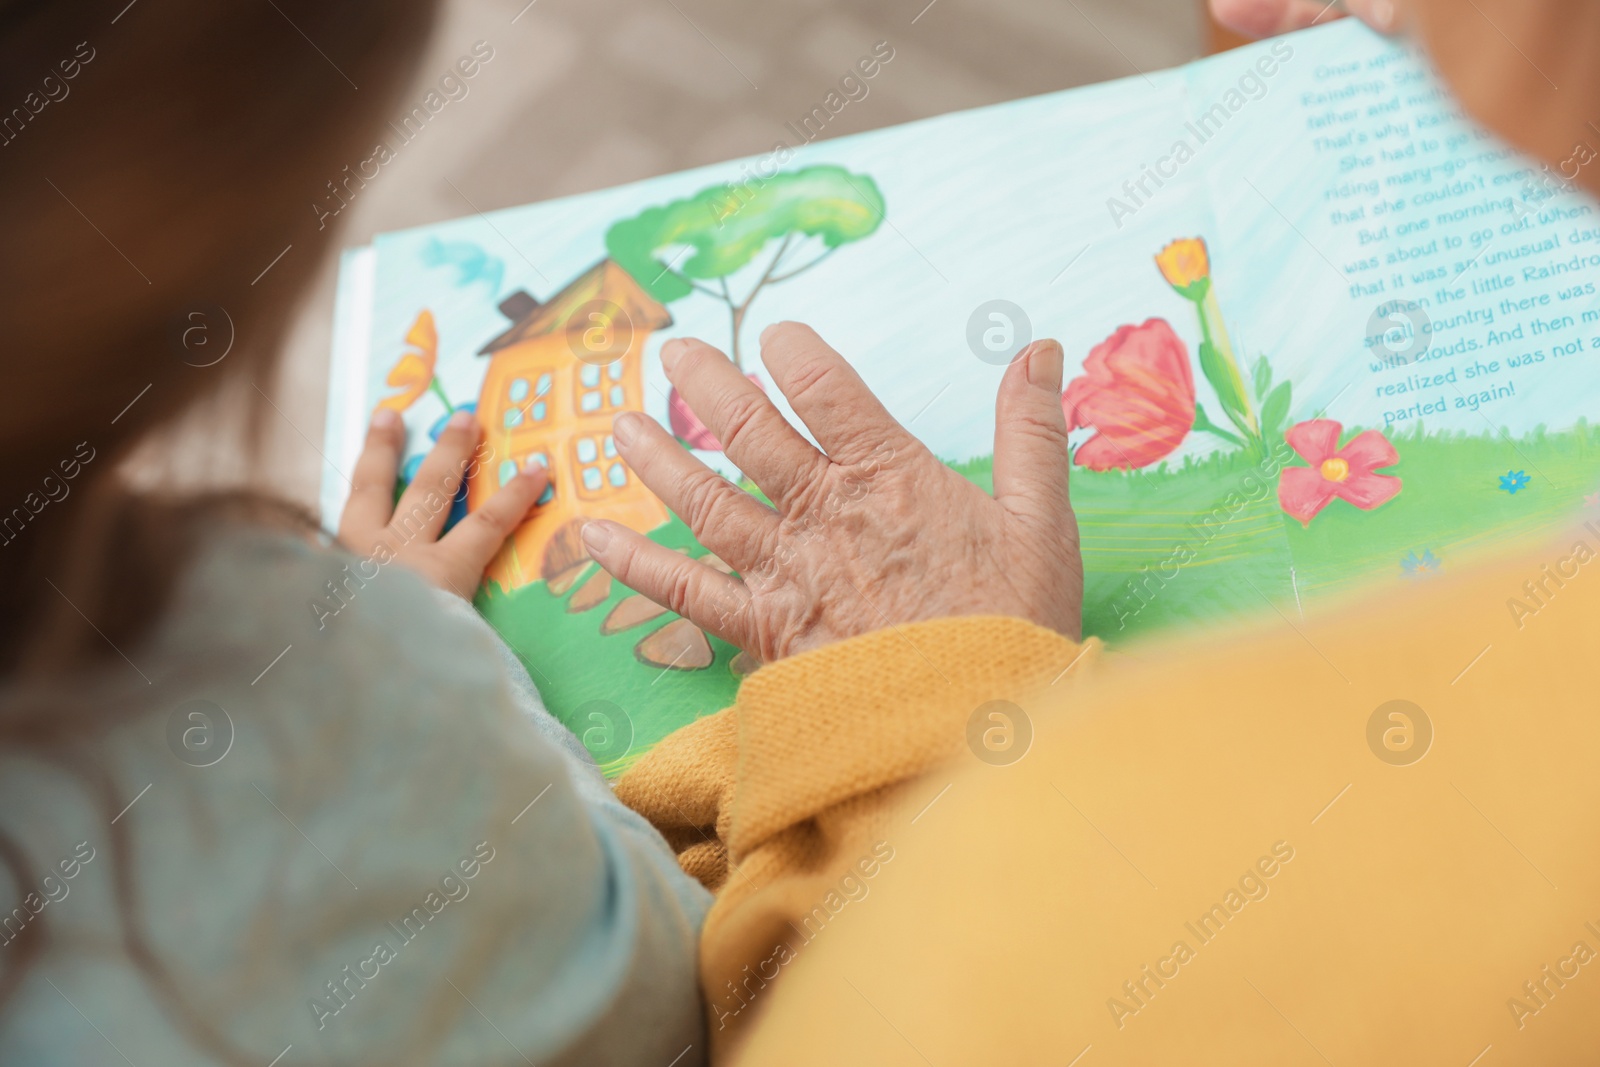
x=603, y=281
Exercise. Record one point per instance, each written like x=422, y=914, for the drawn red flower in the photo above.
x=686, y=425
x=1347, y=473
x=1137, y=392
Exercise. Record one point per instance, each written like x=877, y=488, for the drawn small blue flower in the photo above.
x=1415, y=566
x=1511, y=481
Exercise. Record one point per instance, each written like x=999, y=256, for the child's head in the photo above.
x=155, y=158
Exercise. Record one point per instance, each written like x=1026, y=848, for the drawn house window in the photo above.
x=599, y=469
x=526, y=404
x=590, y=399
x=602, y=389
x=509, y=467
x=617, y=394
x=543, y=460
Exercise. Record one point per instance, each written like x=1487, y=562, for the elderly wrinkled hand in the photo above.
x=868, y=528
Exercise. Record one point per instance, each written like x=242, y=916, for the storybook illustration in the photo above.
x=1342, y=338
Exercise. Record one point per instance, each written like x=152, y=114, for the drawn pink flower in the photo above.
x=1137, y=392
x=686, y=425
x=1348, y=473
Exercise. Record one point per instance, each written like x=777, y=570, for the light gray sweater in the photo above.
x=359, y=842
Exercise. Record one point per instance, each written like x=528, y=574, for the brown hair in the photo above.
x=156, y=159
x=176, y=151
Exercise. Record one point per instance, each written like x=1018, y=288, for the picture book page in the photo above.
x=956, y=242
x=1418, y=282
x=1319, y=332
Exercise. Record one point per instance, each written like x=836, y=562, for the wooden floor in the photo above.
x=583, y=94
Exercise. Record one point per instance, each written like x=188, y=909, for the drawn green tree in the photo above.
x=699, y=243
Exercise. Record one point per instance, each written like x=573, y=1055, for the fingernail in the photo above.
x=596, y=536
x=1046, y=363
x=531, y=466
x=626, y=427
x=671, y=352
x=462, y=420
x=766, y=335
x=1383, y=14
x=385, y=419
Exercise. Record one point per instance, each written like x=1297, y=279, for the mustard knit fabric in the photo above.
x=798, y=782
x=1366, y=836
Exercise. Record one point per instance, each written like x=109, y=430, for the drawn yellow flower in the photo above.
x=1184, y=262
x=413, y=373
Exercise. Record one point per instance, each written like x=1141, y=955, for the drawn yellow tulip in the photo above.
x=413, y=373
x=1186, y=266
x=1184, y=263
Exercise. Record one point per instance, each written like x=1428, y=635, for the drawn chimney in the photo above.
x=519, y=305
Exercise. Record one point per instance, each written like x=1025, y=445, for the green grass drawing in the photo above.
x=1131, y=523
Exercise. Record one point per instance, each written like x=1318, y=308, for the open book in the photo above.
x=1320, y=329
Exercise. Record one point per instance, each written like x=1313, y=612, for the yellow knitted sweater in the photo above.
x=1235, y=850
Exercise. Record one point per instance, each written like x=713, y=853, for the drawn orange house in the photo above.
x=557, y=377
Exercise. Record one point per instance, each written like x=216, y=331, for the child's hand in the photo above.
x=1266, y=18
x=373, y=525
x=874, y=533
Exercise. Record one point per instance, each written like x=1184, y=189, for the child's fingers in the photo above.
x=476, y=538
x=708, y=598
x=371, y=500
x=425, y=504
